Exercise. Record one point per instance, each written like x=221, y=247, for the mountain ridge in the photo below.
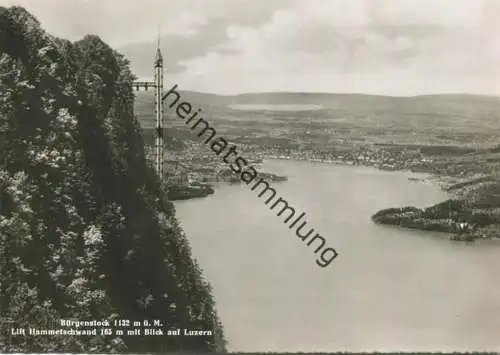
x=317, y=97
x=327, y=94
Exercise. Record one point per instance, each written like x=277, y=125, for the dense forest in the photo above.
x=472, y=215
x=85, y=230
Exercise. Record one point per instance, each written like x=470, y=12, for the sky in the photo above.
x=385, y=47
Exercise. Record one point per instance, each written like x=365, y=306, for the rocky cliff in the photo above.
x=85, y=231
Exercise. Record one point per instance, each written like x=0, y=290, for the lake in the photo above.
x=389, y=289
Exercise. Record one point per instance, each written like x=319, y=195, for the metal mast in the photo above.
x=158, y=79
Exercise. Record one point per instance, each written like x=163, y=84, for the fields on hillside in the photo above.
x=439, y=119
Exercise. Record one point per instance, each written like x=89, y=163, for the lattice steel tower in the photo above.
x=158, y=101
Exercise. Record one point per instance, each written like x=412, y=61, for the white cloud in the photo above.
x=398, y=47
x=117, y=22
x=186, y=25
x=380, y=46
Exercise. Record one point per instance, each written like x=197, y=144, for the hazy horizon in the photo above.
x=168, y=85
x=375, y=47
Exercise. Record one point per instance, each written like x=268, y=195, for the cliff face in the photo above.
x=83, y=234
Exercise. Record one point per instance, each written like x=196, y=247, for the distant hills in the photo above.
x=332, y=99
x=455, y=112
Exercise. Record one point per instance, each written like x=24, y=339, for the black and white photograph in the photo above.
x=249, y=176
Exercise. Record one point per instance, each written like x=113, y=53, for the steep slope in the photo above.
x=83, y=234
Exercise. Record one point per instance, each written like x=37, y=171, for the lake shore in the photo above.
x=463, y=225
x=442, y=181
